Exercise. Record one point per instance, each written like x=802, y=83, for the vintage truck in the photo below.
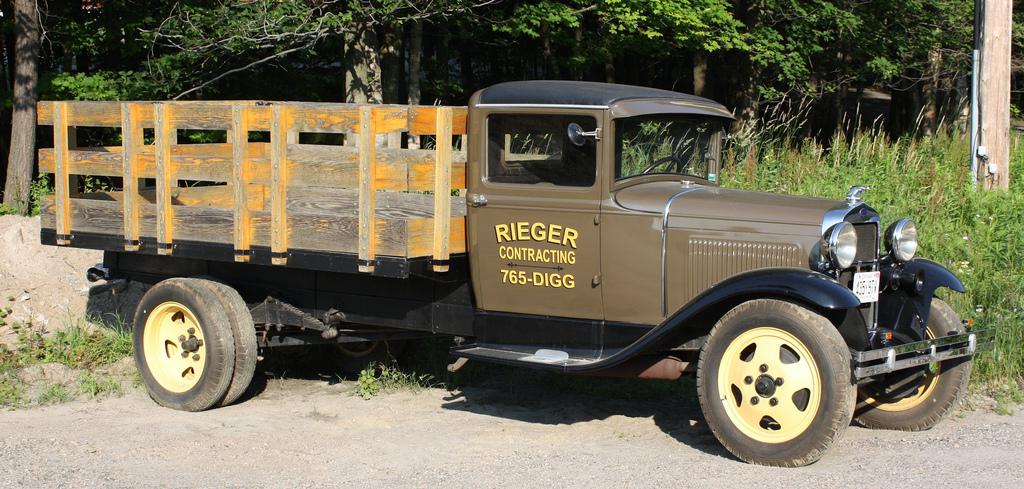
x=569, y=226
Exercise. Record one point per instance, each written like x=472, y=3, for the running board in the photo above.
x=542, y=358
x=885, y=360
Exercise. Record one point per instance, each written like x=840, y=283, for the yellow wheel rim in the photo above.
x=769, y=384
x=923, y=392
x=174, y=347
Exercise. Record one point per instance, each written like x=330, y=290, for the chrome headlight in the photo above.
x=901, y=239
x=839, y=245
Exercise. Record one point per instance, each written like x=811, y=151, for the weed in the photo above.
x=53, y=394
x=40, y=188
x=383, y=377
x=75, y=347
x=12, y=391
x=1008, y=397
x=95, y=386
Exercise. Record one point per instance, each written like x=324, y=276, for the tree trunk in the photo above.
x=415, y=61
x=609, y=66
x=362, y=68
x=391, y=65
x=700, y=73
x=746, y=96
x=930, y=112
x=21, y=158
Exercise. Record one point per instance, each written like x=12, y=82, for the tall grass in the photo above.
x=978, y=235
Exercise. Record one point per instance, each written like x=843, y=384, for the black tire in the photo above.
x=216, y=353
x=352, y=358
x=937, y=394
x=244, y=332
x=819, y=419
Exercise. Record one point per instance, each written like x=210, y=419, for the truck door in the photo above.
x=533, y=217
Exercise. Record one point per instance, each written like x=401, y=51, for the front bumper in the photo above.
x=889, y=359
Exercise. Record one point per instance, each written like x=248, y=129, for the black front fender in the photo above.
x=906, y=303
x=806, y=286
x=796, y=284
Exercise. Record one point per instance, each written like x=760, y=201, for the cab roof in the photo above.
x=623, y=100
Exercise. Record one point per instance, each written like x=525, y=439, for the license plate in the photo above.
x=865, y=286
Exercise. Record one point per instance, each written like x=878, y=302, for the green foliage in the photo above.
x=12, y=391
x=101, y=85
x=39, y=188
x=1008, y=397
x=978, y=235
x=75, y=346
x=378, y=378
x=53, y=394
x=98, y=385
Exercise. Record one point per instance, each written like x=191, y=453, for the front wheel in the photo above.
x=774, y=383
x=918, y=400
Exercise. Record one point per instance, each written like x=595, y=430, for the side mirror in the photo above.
x=578, y=136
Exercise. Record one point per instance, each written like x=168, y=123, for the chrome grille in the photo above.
x=867, y=241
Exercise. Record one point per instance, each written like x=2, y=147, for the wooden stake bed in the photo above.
x=341, y=207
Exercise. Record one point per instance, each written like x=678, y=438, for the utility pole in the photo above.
x=993, y=152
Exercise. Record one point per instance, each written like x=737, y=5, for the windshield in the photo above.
x=668, y=144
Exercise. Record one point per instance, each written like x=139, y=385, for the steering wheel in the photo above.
x=676, y=162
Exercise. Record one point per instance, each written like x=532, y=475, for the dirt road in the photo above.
x=308, y=433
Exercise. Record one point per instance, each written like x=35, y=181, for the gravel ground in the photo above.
x=523, y=430
x=303, y=433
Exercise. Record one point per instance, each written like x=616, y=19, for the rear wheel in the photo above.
x=774, y=383
x=184, y=345
x=244, y=333
x=918, y=400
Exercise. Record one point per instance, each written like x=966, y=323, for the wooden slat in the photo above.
x=308, y=164
x=131, y=139
x=442, y=188
x=367, y=190
x=423, y=120
x=396, y=237
x=213, y=196
x=328, y=201
x=164, y=134
x=420, y=236
x=60, y=176
x=280, y=135
x=92, y=114
x=240, y=182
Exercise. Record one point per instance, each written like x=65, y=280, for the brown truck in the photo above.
x=568, y=226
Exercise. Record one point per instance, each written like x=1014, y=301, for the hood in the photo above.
x=724, y=204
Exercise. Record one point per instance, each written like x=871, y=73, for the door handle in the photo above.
x=476, y=200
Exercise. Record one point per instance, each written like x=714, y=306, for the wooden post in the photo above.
x=131, y=140
x=442, y=188
x=239, y=139
x=62, y=195
x=994, y=170
x=165, y=178
x=367, y=190
x=281, y=134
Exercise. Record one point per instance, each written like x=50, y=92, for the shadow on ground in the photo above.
x=548, y=398
x=491, y=390
x=113, y=303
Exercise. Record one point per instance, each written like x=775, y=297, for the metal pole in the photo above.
x=974, y=119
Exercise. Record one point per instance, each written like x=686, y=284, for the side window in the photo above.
x=532, y=149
